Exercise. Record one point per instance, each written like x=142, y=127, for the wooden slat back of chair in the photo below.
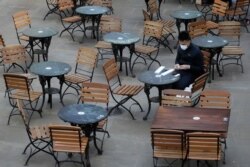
x=110, y=69
x=219, y=8
x=241, y=7
x=173, y=97
x=168, y=143
x=219, y=99
x=153, y=29
x=107, y=3
x=66, y=138
x=17, y=82
x=110, y=24
x=146, y=15
x=206, y=60
x=231, y=31
x=14, y=54
x=152, y=6
x=65, y=4
x=199, y=83
x=203, y=146
x=21, y=19
x=95, y=92
x=197, y=28
x=87, y=56
x=2, y=43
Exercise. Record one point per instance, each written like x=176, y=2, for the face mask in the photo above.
x=183, y=47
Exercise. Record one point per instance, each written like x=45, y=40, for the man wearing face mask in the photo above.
x=188, y=62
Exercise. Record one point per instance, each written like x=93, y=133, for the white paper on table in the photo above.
x=158, y=70
x=177, y=75
x=167, y=72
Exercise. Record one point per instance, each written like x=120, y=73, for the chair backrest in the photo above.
x=110, y=23
x=152, y=29
x=66, y=8
x=203, y=146
x=146, y=15
x=66, y=138
x=2, y=43
x=86, y=61
x=230, y=30
x=199, y=83
x=22, y=21
x=241, y=9
x=206, y=60
x=168, y=143
x=152, y=7
x=14, y=54
x=95, y=93
x=197, y=28
x=219, y=99
x=219, y=8
x=111, y=73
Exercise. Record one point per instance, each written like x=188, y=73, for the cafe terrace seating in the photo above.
x=84, y=69
x=232, y=53
x=197, y=28
x=203, y=146
x=97, y=93
x=127, y=92
x=69, y=139
x=38, y=135
x=18, y=88
x=69, y=20
x=148, y=50
x=52, y=6
x=206, y=60
x=175, y=97
x=168, y=144
x=2, y=44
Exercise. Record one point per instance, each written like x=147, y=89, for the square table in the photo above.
x=190, y=119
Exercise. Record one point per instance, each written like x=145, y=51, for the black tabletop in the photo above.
x=186, y=14
x=82, y=114
x=92, y=10
x=209, y=42
x=149, y=77
x=40, y=32
x=50, y=68
x=122, y=38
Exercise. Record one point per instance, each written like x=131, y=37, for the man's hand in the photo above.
x=177, y=66
x=184, y=67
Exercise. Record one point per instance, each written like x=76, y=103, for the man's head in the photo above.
x=184, y=40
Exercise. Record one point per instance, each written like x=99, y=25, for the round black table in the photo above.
x=95, y=12
x=151, y=79
x=46, y=71
x=43, y=35
x=214, y=45
x=119, y=41
x=86, y=116
x=185, y=16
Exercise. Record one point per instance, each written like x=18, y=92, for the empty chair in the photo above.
x=168, y=144
x=69, y=139
x=127, y=92
x=175, y=97
x=18, y=88
x=39, y=137
x=197, y=28
x=203, y=146
x=84, y=69
x=206, y=61
x=97, y=93
x=232, y=53
x=69, y=20
x=52, y=6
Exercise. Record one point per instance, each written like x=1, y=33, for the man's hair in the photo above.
x=184, y=36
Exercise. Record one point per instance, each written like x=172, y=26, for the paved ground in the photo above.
x=129, y=144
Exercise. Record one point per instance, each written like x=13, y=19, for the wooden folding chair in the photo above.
x=52, y=6
x=116, y=88
x=168, y=144
x=84, y=69
x=69, y=139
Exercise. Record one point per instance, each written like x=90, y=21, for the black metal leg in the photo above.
x=61, y=81
x=121, y=49
x=217, y=62
x=132, y=50
x=147, y=92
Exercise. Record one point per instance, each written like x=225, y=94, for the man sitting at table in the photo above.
x=188, y=62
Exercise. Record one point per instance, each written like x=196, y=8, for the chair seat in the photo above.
x=39, y=132
x=167, y=30
x=102, y=123
x=61, y=146
x=103, y=45
x=76, y=78
x=211, y=25
x=145, y=49
x=163, y=153
x=167, y=23
x=72, y=19
x=23, y=95
x=232, y=50
x=24, y=38
x=128, y=90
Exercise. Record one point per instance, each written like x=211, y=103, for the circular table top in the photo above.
x=209, y=42
x=40, y=32
x=82, y=113
x=186, y=14
x=122, y=38
x=149, y=77
x=50, y=68
x=92, y=10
